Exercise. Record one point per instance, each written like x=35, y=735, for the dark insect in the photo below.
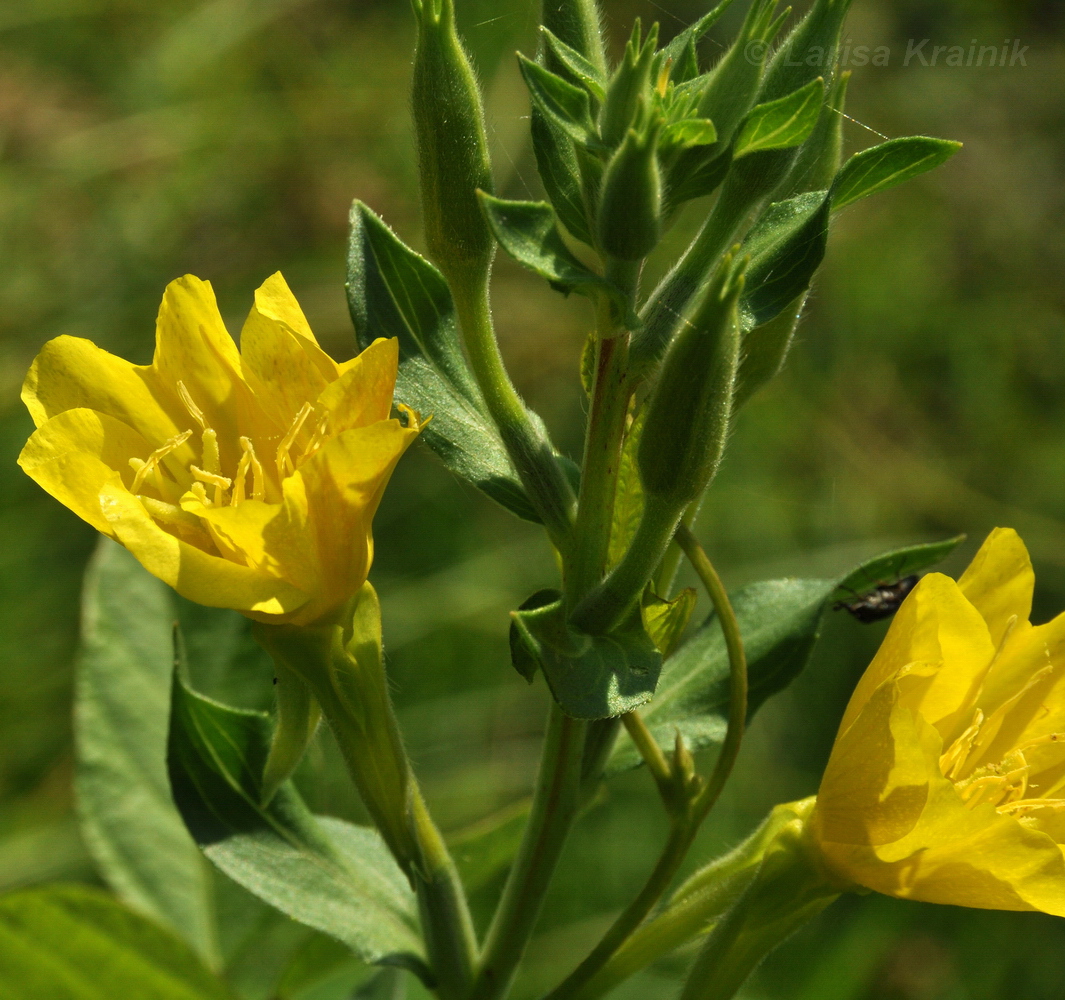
x=881, y=602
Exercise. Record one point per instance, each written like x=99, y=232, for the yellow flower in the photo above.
x=947, y=779
x=244, y=480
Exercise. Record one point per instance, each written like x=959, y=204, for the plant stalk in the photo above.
x=556, y=801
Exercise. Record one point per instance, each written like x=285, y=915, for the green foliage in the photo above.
x=887, y=165
x=393, y=292
x=123, y=704
x=780, y=621
x=74, y=943
x=781, y=124
x=591, y=677
x=325, y=873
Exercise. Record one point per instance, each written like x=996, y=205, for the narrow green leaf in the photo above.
x=688, y=133
x=582, y=69
x=673, y=52
x=780, y=621
x=887, y=165
x=666, y=621
x=591, y=677
x=566, y=105
x=325, y=873
x=527, y=230
x=787, y=246
x=77, y=943
x=781, y=124
x=394, y=292
x=556, y=162
x=122, y=704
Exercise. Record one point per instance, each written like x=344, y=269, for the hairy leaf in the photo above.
x=781, y=124
x=325, y=873
x=77, y=943
x=887, y=165
x=780, y=621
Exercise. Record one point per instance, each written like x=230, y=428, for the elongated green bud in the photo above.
x=452, y=147
x=688, y=414
x=736, y=78
x=629, y=87
x=577, y=23
x=808, y=52
x=630, y=206
x=821, y=156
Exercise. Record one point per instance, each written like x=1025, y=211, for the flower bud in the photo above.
x=688, y=413
x=808, y=52
x=629, y=88
x=576, y=22
x=630, y=205
x=820, y=157
x=452, y=146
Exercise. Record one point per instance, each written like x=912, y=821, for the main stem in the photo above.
x=533, y=458
x=555, y=804
x=686, y=823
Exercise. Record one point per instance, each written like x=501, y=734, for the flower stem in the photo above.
x=555, y=804
x=685, y=823
x=533, y=457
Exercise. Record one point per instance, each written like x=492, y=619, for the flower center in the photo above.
x=1005, y=785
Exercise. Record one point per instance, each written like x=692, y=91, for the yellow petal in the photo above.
x=952, y=854
x=284, y=366
x=876, y=784
x=78, y=453
x=339, y=488
x=999, y=581
x=935, y=625
x=71, y=373
x=193, y=347
x=363, y=394
x=193, y=573
x=243, y=533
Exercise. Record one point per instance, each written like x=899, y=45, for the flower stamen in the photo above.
x=221, y=484
x=211, y=459
x=285, y=464
x=143, y=468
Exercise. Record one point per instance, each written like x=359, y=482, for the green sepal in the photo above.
x=820, y=157
x=887, y=165
x=630, y=87
x=298, y=715
x=566, y=105
x=630, y=203
x=665, y=621
x=781, y=124
x=780, y=621
x=579, y=68
x=576, y=23
x=787, y=246
x=591, y=677
x=528, y=231
x=324, y=873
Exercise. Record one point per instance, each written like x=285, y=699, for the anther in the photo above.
x=144, y=468
x=220, y=483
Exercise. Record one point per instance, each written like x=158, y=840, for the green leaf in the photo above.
x=394, y=292
x=591, y=677
x=122, y=707
x=581, y=69
x=674, y=52
x=556, y=162
x=77, y=943
x=887, y=165
x=566, y=105
x=527, y=230
x=787, y=246
x=666, y=621
x=325, y=873
x=781, y=124
x=523, y=657
x=688, y=133
x=322, y=961
x=780, y=621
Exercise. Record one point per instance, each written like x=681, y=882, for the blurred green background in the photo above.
x=925, y=396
